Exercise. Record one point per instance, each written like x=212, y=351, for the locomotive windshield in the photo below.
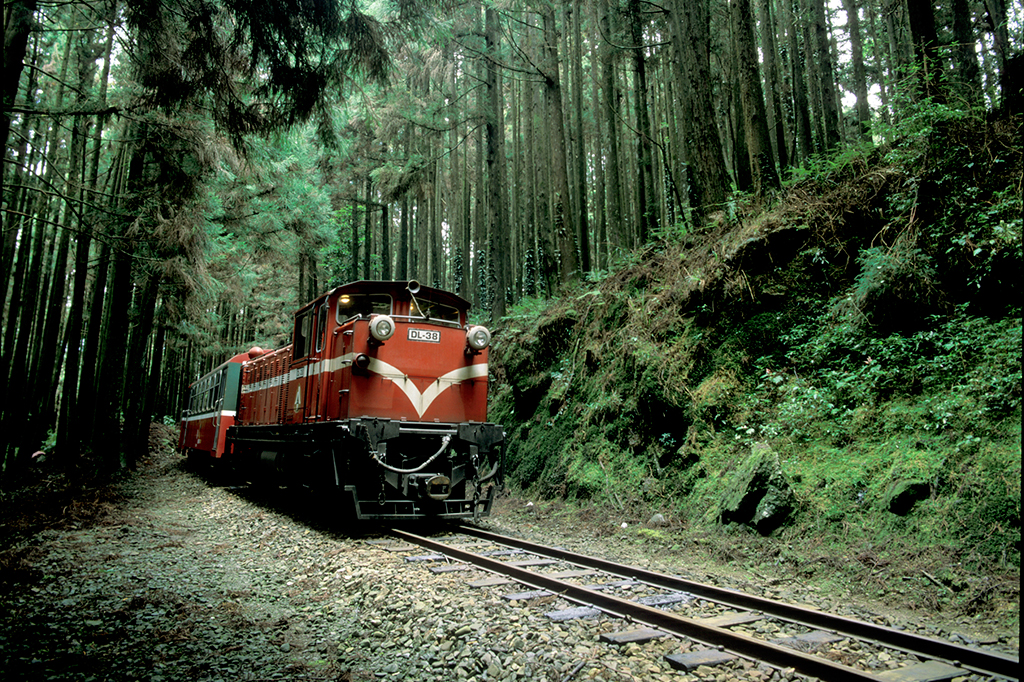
x=351, y=305
x=423, y=307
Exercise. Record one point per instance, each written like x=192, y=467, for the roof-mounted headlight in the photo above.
x=478, y=338
x=382, y=328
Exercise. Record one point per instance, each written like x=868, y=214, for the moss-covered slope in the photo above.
x=848, y=360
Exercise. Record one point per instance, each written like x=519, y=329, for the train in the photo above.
x=379, y=404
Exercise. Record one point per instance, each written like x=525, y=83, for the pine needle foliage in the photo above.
x=263, y=65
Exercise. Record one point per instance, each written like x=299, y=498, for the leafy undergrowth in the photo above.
x=860, y=339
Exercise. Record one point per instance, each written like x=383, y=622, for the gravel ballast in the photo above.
x=183, y=580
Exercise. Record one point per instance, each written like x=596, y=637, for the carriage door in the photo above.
x=315, y=367
x=297, y=405
x=218, y=410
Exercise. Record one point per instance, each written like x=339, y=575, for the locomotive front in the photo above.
x=382, y=395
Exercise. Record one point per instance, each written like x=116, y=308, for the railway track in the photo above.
x=596, y=585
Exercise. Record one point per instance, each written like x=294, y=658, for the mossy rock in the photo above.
x=759, y=493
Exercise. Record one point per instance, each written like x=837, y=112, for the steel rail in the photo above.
x=666, y=621
x=979, y=660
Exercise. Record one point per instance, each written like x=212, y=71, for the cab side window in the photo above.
x=303, y=331
x=321, y=328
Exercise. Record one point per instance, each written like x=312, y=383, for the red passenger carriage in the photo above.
x=382, y=396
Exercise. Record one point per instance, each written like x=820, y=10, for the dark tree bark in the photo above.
x=367, y=229
x=357, y=209
x=497, y=209
x=18, y=24
x=136, y=418
x=646, y=222
x=860, y=83
x=562, y=220
x=69, y=431
x=804, y=141
x=967, y=71
x=759, y=147
x=880, y=57
x=17, y=177
x=926, y=46
x=88, y=390
x=580, y=148
x=1010, y=79
x=403, y=238
x=773, y=87
x=385, y=242
x=691, y=37
x=826, y=80
x=610, y=115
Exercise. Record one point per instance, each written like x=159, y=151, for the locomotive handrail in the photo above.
x=444, y=444
x=433, y=320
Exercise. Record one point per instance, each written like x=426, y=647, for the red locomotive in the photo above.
x=381, y=396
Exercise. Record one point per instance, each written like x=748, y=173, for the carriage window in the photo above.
x=350, y=305
x=422, y=307
x=302, y=333
x=321, y=328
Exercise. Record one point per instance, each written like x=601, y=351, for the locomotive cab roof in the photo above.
x=399, y=290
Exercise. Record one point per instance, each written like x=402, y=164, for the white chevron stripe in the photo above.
x=420, y=401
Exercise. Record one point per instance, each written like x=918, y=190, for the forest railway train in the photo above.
x=380, y=399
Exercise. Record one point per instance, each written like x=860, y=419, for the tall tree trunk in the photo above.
x=860, y=82
x=84, y=421
x=826, y=84
x=385, y=242
x=367, y=229
x=759, y=147
x=597, y=97
x=881, y=59
x=798, y=62
x=151, y=405
x=18, y=24
x=1009, y=78
x=17, y=179
x=773, y=90
x=691, y=37
x=353, y=275
x=114, y=339
x=610, y=115
x=645, y=175
x=564, y=226
x=968, y=73
x=497, y=179
x=403, y=221
x=136, y=419
x=926, y=46
x=580, y=148
x=69, y=430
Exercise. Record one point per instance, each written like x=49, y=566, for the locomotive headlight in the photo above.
x=382, y=328
x=478, y=338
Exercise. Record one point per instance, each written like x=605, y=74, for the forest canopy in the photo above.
x=178, y=176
